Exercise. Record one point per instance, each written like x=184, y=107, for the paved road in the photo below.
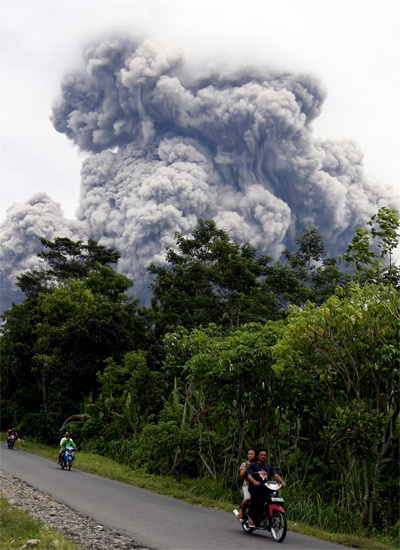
x=152, y=520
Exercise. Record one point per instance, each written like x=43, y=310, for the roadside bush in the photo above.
x=91, y=429
x=129, y=452
x=213, y=489
x=170, y=449
x=38, y=426
x=97, y=445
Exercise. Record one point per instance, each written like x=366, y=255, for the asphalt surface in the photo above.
x=153, y=521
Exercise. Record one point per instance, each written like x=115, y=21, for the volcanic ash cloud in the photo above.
x=38, y=217
x=235, y=144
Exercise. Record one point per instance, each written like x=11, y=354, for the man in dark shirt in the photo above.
x=256, y=473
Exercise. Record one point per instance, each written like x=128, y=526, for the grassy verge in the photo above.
x=17, y=527
x=193, y=491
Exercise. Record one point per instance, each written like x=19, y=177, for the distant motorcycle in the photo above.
x=11, y=441
x=68, y=458
x=273, y=517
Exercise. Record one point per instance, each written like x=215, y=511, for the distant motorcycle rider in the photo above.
x=256, y=473
x=67, y=437
x=66, y=442
x=10, y=432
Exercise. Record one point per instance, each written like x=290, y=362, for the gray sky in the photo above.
x=353, y=46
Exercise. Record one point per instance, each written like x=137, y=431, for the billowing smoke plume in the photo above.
x=19, y=238
x=169, y=147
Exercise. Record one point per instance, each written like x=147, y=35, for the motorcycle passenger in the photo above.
x=62, y=446
x=67, y=442
x=251, y=457
x=256, y=473
x=10, y=432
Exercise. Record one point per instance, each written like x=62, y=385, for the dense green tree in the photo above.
x=19, y=391
x=64, y=259
x=315, y=274
x=349, y=348
x=371, y=253
x=210, y=279
x=232, y=390
x=74, y=333
x=53, y=344
x=129, y=393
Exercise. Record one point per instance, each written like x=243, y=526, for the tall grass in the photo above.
x=212, y=489
x=313, y=510
x=124, y=451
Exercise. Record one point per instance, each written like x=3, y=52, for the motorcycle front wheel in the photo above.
x=278, y=526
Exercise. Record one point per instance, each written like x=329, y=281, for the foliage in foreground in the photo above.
x=17, y=527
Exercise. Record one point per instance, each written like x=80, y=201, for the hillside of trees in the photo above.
x=301, y=356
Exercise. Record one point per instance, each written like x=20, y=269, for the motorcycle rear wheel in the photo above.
x=246, y=528
x=278, y=526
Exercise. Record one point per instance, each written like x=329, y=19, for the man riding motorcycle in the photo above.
x=67, y=437
x=67, y=442
x=10, y=432
x=256, y=473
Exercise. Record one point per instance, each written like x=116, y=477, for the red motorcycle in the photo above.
x=273, y=516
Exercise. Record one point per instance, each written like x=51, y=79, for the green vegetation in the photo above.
x=301, y=357
x=209, y=493
x=17, y=527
